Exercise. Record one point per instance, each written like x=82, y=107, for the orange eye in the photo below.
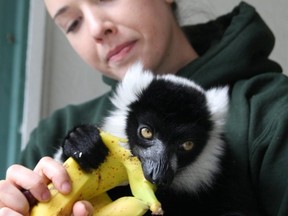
x=188, y=145
x=146, y=133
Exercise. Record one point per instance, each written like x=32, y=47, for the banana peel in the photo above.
x=119, y=167
x=123, y=206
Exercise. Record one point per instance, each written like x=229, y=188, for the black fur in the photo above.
x=85, y=145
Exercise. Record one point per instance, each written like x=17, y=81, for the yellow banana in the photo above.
x=124, y=206
x=119, y=167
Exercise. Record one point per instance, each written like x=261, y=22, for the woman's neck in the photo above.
x=181, y=53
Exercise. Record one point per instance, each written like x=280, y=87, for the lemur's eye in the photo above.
x=146, y=133
x=188, y=145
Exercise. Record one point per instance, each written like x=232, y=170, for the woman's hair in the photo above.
x=174, y=6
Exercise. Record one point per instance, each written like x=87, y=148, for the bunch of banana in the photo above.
x=119, y=167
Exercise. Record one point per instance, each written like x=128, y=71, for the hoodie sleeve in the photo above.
x=259, y=139
x=268, y=151
x=48, y=136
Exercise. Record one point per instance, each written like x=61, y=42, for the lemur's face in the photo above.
x=168, y=130
x=173, y=125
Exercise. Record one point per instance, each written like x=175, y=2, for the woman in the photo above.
x=111, y=34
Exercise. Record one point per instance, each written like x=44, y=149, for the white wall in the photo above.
x=61, y=78
x=68, y=80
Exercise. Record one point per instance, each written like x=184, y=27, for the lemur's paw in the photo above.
x=85, y=145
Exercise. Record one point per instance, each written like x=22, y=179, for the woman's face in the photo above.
x=112, y=34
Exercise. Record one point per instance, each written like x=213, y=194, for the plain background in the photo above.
x=56, y=77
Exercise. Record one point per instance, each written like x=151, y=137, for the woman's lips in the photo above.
x=119, y=52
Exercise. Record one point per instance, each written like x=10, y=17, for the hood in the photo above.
x=235, y=46
x=232, y=47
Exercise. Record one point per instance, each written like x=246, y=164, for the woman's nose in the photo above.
x=100, y=26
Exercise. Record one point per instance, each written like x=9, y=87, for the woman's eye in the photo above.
x=187, y=146
x=146, y=133
x=73, y=26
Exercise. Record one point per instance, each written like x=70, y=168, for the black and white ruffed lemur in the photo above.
x=175, y=128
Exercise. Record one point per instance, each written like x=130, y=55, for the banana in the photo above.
x=124, y=206
x=119, y=168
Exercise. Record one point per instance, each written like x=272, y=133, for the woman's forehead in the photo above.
x=56, y=7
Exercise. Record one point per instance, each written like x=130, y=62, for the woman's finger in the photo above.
x=55, y=172
x=9, y=212
x=24, y=178
x=82, y=208
x=12, y=201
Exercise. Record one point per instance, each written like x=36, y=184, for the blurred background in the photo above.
x=39, y=71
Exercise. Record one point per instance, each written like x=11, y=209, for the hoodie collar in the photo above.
x=233, y=47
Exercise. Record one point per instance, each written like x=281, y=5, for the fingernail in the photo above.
x=66, y=187
x=46, y=195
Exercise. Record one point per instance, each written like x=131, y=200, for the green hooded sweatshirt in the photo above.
x=234, y=50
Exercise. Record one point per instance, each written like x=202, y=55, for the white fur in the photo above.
x=218, y=103
x=181, y=80
x=58, y=154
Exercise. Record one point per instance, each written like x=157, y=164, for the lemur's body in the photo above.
x=175, y=128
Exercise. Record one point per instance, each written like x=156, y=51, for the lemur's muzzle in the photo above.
x=156, y=164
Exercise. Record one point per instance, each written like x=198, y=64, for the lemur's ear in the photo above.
x=218, y=104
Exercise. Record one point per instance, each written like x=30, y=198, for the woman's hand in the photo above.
x=18, y=178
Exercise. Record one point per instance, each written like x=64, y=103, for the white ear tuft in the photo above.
x=218, y=104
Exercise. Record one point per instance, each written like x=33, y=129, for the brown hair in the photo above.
x=174, y=6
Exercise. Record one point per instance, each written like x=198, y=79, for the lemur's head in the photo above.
x=173, y=125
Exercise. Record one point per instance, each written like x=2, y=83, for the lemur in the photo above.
x=176, y=128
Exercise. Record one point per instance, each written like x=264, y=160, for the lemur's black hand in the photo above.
x=85, y=145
